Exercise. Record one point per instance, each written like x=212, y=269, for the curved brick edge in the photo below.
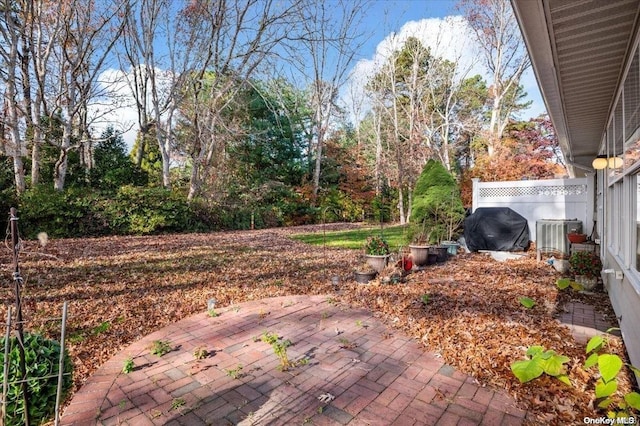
x=370, y=373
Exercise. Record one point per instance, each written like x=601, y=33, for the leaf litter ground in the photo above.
x=120, y=289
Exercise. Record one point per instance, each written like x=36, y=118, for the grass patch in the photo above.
x=396, y=236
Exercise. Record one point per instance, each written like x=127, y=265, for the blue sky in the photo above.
x=387, y=16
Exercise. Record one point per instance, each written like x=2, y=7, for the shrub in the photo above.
x=437, y=209
x=142, y=210
x=42, y=359
x=59, y=214
x=337, y=205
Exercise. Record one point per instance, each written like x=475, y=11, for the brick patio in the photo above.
x=584, y=321
x=370, y=374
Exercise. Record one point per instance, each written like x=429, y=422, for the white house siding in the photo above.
x=625, y=301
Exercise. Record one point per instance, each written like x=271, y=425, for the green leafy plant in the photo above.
x=564, y=283
x=200, y=353
x=213, y=313
x=376, y=246
x=425, y=299
x=609, y=366
x=541, y=361
x=177, y=403
x=527, y=302
x=235, y=373
x=102, y=328
x=303, y=361
x=279, y=348
x=160, y=347
x=42, y=366
x=346, y=344
x=128, y=365
x=585, y=263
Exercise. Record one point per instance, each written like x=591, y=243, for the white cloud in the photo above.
x=116, y=108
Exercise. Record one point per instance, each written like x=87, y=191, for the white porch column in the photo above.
x=475, y=194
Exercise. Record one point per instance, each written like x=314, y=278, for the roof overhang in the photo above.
x=578, y=50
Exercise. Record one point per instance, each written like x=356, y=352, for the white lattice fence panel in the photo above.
x=532, y=191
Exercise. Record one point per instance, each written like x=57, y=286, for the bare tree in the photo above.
x=41, y=33
x=240, y=36
x=10, y=29
x=136, y=59
x=324, y=49
x=87, y=36
x=505, y=56
x=212, y=49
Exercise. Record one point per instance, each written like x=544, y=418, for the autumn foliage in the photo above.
x=529, y=151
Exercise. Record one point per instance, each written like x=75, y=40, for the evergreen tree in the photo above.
x=112, y=166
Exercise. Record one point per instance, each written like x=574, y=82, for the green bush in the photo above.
x=59, y=213
x=336, y=205
x=131, y=210
x=143, y=210
x=437, y=209
x=42, y=357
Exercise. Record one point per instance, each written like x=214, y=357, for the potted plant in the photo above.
x=420, y=247
x=364, y=273
x=586, y=267
x=376, y=250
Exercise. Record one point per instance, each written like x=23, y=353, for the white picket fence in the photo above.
x=540, y=199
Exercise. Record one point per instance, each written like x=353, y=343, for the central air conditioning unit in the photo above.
x=551, y=235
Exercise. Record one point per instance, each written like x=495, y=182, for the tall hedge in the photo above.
x=77, y=212
x=436, y=208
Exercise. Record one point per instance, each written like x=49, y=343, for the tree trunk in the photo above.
x=60, y=168
x=401, y=206
x=35, y=161
x=317, y=169
x=494, y=126
x=11, y=102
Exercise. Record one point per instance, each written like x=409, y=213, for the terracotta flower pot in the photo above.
x=577, y=238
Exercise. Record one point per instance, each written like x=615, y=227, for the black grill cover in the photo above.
x=496, y=228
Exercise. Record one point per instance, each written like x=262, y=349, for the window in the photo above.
x=632, y=113
x=635, y=231
x=632, y=97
